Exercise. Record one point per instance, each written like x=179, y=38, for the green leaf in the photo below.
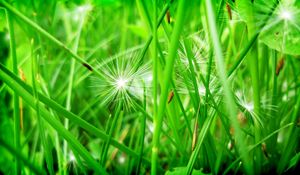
x=283, y=29
x=279, y=23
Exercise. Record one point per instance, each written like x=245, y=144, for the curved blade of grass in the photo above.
x=142, y=134
x=19, y=156
x=24, y=88
x=16, y=96
x=227, y=92
x=53, y=122
x=166, y=83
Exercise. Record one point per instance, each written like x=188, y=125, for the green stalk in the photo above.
x=274, y=123
x=229, y=99
x=204, y=131
x=241, y=55
x=166, y=83
x=70, y=87
x=155, y=62
x=40, y=123
x=254, y=74
x=110, y=134
x=17, y=131
x=193, y=73
x=159, y=21
x=142, y=135
x=176, y=94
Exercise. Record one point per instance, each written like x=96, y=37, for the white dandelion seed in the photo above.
x=285, y=14
x=121, y=80
x=121, y=83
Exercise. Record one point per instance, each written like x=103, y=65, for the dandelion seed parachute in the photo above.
x=120, y=80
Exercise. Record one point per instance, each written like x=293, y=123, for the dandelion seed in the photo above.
x=121, y=83
x=247, y=108
x=285, y=14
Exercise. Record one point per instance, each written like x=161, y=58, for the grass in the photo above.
x=149, y=87
x=17, y=122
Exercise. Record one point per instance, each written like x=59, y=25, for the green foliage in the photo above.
x=140, y=87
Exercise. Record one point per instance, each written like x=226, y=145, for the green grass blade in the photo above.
x=17, y=121
x=110, y=134
x=54, y=123
x=40, y=123
x=72, y=117
x=251, y=148
x=49, y=36
x=166, y=82
x=227, y=92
